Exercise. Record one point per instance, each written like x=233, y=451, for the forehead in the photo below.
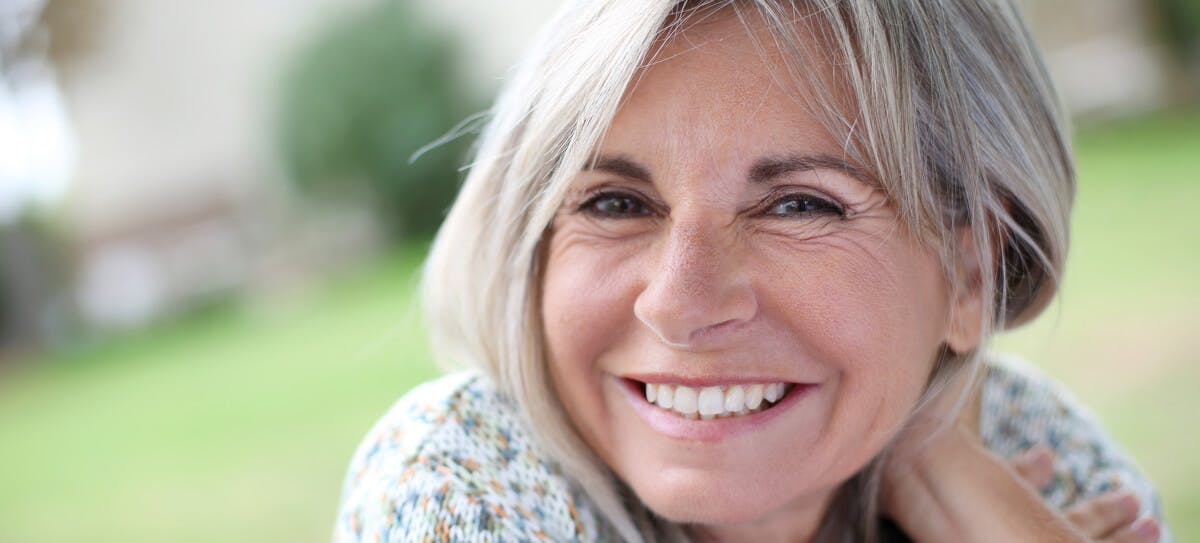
x=722, y=82
x=719, y=55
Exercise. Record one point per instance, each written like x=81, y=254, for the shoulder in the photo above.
x=453, y=460
x=1022, y=407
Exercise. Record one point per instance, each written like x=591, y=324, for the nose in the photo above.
x=699, y=293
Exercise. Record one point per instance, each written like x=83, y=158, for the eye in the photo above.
x=615, y=205
x=803, y=204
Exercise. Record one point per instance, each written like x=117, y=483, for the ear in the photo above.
x=966, y=299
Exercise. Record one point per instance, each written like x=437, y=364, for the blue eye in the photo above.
x=616, y=205
x=798, y=204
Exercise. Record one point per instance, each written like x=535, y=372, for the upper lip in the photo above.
x=701, y=381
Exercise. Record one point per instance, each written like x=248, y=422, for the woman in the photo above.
x=726, y=271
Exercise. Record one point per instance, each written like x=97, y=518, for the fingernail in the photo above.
x=1043, y=459
x=1129, y=502
x=1043, y=468
x=1146, y=527
x=1036, y=457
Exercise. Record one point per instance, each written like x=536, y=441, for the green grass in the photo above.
x=237, y=424
x=231, y=426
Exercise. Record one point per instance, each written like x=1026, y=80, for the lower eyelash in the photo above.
x=588, y=206
x=823, y=206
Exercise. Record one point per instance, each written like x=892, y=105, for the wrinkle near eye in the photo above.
x=852, y=192
x=570, y=222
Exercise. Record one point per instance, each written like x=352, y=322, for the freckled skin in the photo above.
x=709, y=284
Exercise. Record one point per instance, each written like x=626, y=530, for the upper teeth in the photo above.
x=716, y=401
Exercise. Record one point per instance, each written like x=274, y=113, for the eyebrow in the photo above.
x=765, y=170
x=620, y=165
x=768, y=169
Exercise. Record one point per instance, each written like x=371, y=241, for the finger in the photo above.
x=1035, y=466
x=1106, y=514
x=1144, y=530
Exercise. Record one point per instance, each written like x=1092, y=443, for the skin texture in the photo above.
x=942, y=485
x=674, y=257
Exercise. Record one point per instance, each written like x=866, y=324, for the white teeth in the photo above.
x=666, y=396
x=735, y=399
x=714, y=401
x=685, y=400
x=754, y=396
x=770, y=393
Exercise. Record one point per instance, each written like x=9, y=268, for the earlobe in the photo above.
x=963, y=332
x=964, y=326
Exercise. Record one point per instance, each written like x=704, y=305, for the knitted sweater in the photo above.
x=453, y=460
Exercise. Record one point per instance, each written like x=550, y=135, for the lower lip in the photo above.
x=675, y=426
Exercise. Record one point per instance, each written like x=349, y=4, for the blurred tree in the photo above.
x=1179, y=24
x=367, y=94
x=31, y=279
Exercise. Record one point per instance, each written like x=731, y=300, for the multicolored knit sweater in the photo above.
x=453, y=461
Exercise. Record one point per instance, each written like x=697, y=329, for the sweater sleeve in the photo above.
x=1022, y=407
x=423, y=506
x=429, y=503
x=452, y=462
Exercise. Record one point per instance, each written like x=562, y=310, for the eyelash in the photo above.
x=809, y=203
x=590, y=205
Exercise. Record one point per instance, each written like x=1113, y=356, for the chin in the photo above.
x=687, y=496
x=710, y=510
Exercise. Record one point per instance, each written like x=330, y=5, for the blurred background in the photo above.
x=211, y=222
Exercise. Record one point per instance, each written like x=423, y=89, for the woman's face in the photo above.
x=718, y=248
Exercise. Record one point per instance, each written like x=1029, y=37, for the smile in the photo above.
x=708, y=411
x=715, y=401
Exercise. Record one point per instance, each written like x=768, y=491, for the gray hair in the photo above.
x=946, y=103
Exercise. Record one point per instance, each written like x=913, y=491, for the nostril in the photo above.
x=708, y=332
x=680, y=319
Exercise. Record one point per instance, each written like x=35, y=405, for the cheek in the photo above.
x=873, y=314
x=586, y=306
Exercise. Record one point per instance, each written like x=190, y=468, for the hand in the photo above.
x=1111, y=517
x=940, y=428
x=941, y=484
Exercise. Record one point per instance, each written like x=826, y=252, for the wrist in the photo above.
x=918, y=481
x=954, y=489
